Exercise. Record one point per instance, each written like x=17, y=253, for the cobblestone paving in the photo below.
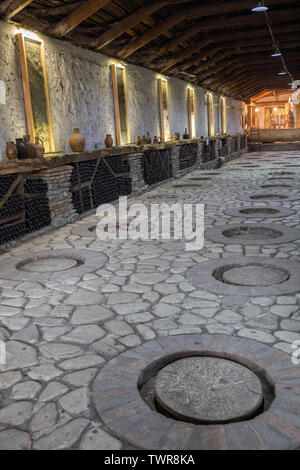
x=59, y=333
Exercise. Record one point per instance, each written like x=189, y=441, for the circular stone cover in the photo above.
x=252, y=234
x=254, y=275
x=285, y=196
x=51, y=264
x=48, y=264
x=251, y=212
x=208, y=390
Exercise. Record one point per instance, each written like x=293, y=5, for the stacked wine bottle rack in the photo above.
x=96, y=182
x=12, y=210
x=234, y=145
x=37, y=212
x=243, y=141
x=208, y=152
x=223, y=150
x=157, y=165
x=24, y=207
x=187, y=156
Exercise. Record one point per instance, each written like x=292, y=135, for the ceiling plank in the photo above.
x=126, y=23
x=9, y=8
x=81, y=13
x=54, y=11
x=131, y=20
x=185, y=54
x=216, y=8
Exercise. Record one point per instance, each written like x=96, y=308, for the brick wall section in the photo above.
x=60, y=199
x=136, y=173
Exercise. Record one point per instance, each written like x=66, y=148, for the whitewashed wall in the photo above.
x=81, y=96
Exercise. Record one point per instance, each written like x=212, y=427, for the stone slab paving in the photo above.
x=62, y=326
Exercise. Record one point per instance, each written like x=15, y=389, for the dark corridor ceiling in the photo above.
x=220, y=45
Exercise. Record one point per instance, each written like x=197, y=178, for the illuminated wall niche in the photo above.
x=36, y=93
x=223, y=116
x=210, y=115
x=164, y=110
x=191, y=112
x=120, y=103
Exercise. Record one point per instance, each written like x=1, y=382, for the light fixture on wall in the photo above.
x=282, y=73
x=260, y=7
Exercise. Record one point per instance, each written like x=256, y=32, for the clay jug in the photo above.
x=155, y=140
x=137, y=140
x=31, y=150
x=11, y=151
x=143, y=140
x=77, y=141
x=148, y=138
x=22, y=149
x=39, y=147
x=108, y=141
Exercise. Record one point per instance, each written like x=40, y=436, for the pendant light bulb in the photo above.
x=260, y=7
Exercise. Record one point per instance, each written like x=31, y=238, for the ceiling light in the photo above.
x=260, y=7
x=276, y=53
x=282, y=73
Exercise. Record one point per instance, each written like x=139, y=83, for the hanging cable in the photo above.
x=275, y=44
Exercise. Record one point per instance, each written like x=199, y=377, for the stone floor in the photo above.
x=60, y=332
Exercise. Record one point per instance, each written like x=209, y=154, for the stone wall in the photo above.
x=81, y=95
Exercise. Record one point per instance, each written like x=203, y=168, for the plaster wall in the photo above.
x=81, y=95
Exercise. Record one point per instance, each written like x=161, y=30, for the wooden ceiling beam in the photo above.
x=81, y=13
x=186, y=53
x=213, y=70
x=217, y=8
x=204, y=26
x=143, y=12
x=54, y=11
x=212, y=53
x=126, y=23
x=250, y=85
x=261, y=95
x=10, y=8
x=235, y=35
x=260, y=42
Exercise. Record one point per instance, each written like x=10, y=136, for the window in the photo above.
x=164, y=111
x=120, y=102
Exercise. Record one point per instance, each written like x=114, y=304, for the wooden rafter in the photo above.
x=9, y=8
x=139, y=15
x=81, y=13
x=185, y=53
